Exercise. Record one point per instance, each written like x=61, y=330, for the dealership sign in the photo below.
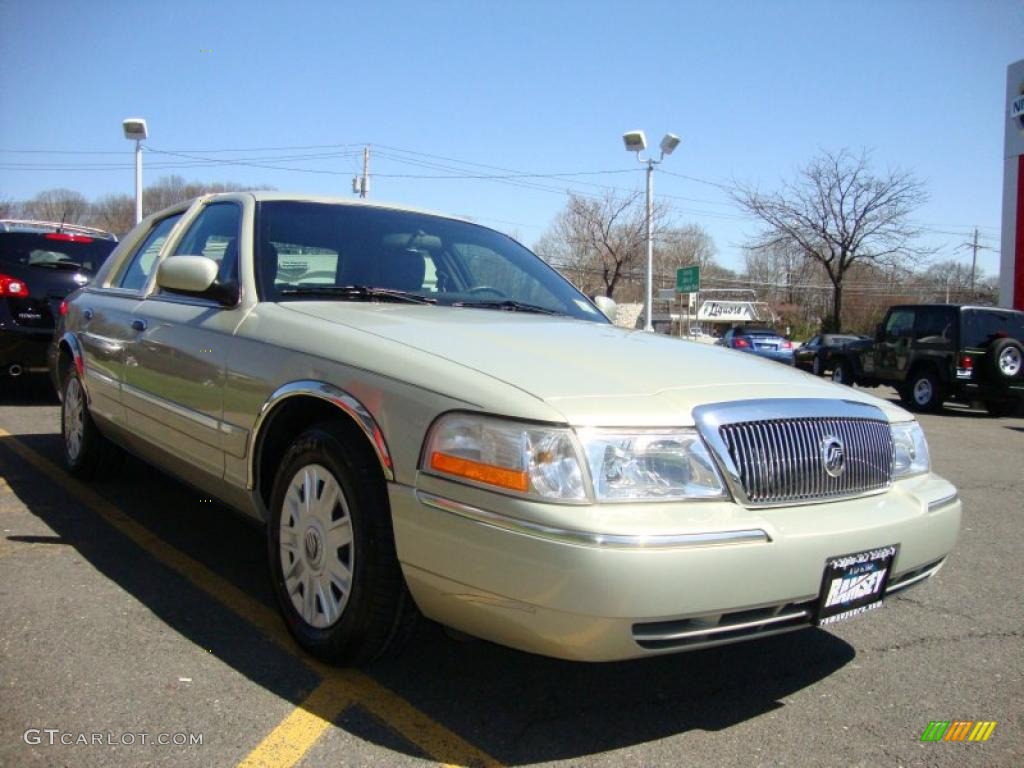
x=727, y=311
x=1017, y=107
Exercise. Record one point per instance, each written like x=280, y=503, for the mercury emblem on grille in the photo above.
x=833, y=455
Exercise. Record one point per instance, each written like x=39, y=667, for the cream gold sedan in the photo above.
x=428, y=419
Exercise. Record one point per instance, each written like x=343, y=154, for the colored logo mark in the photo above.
x=958, y=730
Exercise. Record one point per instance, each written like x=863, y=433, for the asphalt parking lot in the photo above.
x=135, y=612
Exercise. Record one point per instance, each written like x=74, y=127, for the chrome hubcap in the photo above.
x=1010, y=362
x=73, y=418
x=922, y=391
x=317, y=550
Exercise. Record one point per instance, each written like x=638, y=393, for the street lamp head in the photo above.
x=635, y=141
x=135, y=128
x=669, y=143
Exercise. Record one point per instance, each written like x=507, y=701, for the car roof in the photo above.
x=264, y=195
x=32, y=226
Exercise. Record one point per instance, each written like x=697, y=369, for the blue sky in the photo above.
x=753, y=88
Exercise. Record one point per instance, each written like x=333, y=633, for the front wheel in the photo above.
x=816, y=367
x=332, y=549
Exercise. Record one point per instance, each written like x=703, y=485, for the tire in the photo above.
x=333, y=563
x=925, y=391
x=998, y=408
x=842, y=373
x=87, y=453
x=1006, y=359
x=816, y=367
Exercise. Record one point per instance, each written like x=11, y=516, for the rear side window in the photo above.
x=980, y=326
x=54, y=250
x=933, y=325
x=136, y=273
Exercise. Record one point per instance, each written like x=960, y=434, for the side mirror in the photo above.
x=879, y=332
x=194, y=275
x=607, y=306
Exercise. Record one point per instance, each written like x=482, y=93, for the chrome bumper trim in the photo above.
x=650, y=637
x=589, y=538
x=915, y=580
x=945, y=501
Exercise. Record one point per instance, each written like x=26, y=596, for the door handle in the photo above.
x=138, y=325
x=87, y=314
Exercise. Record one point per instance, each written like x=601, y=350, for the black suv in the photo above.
x=41, y=262
x=936, y=352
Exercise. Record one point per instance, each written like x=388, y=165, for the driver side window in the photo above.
x=214, y=234
x=900, y=324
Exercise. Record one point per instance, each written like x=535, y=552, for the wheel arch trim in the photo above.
x=70, y=342
x=344, y=401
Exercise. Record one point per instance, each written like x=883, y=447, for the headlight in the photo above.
x=649, y=466
x=521, y=458
x=548, y=462
x=910, y=450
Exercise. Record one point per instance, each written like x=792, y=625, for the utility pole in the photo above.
x=974, y=259
x=361, y=184
x=974, y=246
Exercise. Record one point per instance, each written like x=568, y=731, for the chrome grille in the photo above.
x=781, y=460
x=771, y=450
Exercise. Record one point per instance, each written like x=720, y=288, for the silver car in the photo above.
x=428, y=419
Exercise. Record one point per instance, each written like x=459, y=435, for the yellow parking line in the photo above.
x=298, y=732
x=418, y=728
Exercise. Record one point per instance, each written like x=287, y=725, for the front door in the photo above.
x=175, y=365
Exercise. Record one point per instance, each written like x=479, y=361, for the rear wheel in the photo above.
x=332, y=549
x=842, y=373
x=87, y=453
x=999, y=408
x=925, y=391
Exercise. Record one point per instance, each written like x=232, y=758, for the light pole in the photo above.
x=135, y=128
x=635, y=141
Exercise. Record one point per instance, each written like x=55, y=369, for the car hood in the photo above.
x=592, y=373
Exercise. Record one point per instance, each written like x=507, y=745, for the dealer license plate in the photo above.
x=854, y=584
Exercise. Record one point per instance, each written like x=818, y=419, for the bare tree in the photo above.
x=838, y=212
x=8, y=208
x=64, y=205
x=114, y=213
x=600, y=240
x=168, y=190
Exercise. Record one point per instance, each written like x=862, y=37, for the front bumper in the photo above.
x=654, y=582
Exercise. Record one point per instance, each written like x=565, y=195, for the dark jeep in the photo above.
x=936, y=352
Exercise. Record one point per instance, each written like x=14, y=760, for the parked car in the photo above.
x=818, y=353
x=936, y=352
x=763, y=342
x=41, y=262
x=427, y=418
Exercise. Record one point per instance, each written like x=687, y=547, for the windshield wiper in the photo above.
x=357, y=292
x=69, y=265
x=508, y=305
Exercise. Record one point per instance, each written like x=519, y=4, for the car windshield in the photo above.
x=54, y=251
x=323, y=251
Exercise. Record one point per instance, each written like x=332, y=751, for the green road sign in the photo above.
x=688, y=279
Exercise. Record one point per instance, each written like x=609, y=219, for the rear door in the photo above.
x=102, y=319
